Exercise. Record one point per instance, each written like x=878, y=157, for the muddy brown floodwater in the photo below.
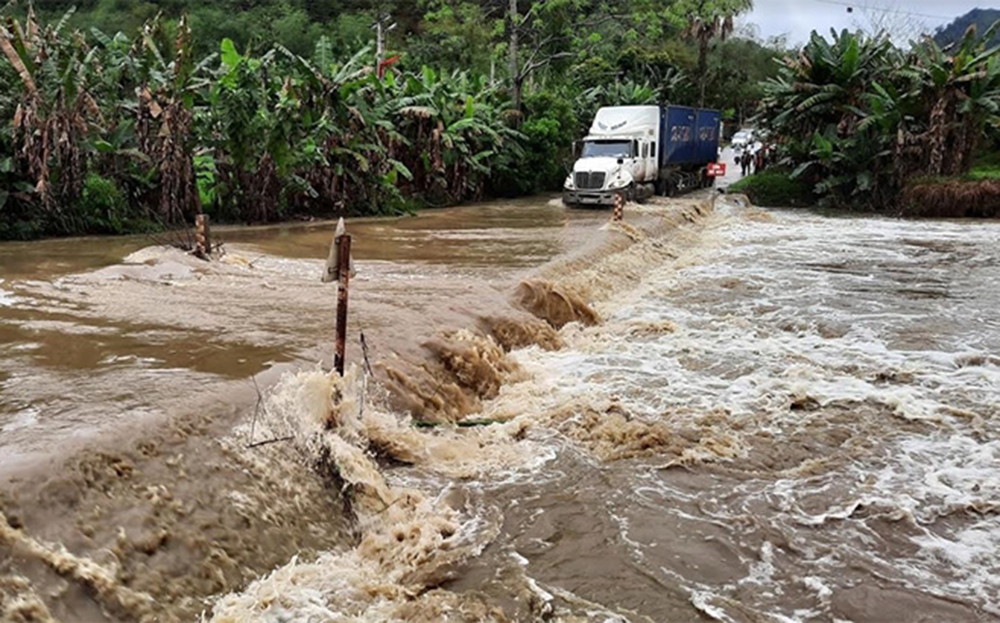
x=710, y=412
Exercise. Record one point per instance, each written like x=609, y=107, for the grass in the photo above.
x=774, y=188
x=987, y=167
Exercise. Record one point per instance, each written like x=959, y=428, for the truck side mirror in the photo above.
x=621, y=161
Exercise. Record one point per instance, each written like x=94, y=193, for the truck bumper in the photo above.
x=598, y=198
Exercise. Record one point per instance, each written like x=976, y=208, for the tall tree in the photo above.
x=708, y=20
x=545, y=31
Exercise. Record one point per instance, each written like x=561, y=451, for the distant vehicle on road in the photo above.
x=744, y=138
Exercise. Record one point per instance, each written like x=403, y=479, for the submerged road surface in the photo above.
x=731, y=414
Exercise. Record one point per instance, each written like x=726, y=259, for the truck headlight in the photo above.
x=618, y=182
x=569, y=182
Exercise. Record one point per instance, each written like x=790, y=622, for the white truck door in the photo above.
x=650, y=160
x=638, y=162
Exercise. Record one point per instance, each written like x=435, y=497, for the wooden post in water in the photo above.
x=202, y=237
x=343, y=243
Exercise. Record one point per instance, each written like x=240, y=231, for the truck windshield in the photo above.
x=607, y=149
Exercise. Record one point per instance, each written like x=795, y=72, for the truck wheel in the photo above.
x=644, y=192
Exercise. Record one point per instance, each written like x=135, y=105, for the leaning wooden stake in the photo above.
x=343, y=243
x=202, y=237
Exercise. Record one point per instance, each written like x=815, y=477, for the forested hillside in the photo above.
x=296, y=24
x=981, y=18
x=665, y=44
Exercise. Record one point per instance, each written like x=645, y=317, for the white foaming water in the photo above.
x=840, y=375
x=878, y=334
x=7, y=298
x=410, y=536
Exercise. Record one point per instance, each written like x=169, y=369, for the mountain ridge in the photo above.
x=981, y=18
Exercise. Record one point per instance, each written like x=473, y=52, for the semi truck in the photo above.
x=639, y=151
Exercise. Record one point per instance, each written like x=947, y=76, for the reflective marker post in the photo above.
x=619, y=213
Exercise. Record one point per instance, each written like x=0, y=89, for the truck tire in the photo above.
x=645, y=192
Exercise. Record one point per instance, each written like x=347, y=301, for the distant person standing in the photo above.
x=745, y=160
x=760, y=158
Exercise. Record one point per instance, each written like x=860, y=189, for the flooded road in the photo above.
x=731, y=415
x=95, y=331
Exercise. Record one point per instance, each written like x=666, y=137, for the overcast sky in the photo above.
x=797, y=18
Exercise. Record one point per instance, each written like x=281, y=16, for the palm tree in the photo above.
x=961, y=84
x=56, y=110
x=828, y=105
x=860, y=118
x=826, y=83
x=709, y=20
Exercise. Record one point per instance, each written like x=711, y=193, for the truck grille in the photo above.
x=590, y=181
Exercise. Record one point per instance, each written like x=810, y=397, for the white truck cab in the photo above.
x=618, y=157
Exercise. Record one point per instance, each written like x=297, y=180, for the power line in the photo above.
x=886, y=10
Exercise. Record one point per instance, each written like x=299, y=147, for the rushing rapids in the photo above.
x=703, y=414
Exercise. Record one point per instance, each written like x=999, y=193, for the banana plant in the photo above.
x=56, y=112
x=858, y=117
x=962, y=88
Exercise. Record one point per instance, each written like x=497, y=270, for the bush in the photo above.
x=775, y=189
x=548, y=131
x=103, y=206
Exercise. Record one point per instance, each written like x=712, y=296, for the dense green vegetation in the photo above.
x=264, y=109
x=260, y=110
x=775, y=188
x=860, y=120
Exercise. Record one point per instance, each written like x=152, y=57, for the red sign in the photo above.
x=717, y=169
x=385, y=64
